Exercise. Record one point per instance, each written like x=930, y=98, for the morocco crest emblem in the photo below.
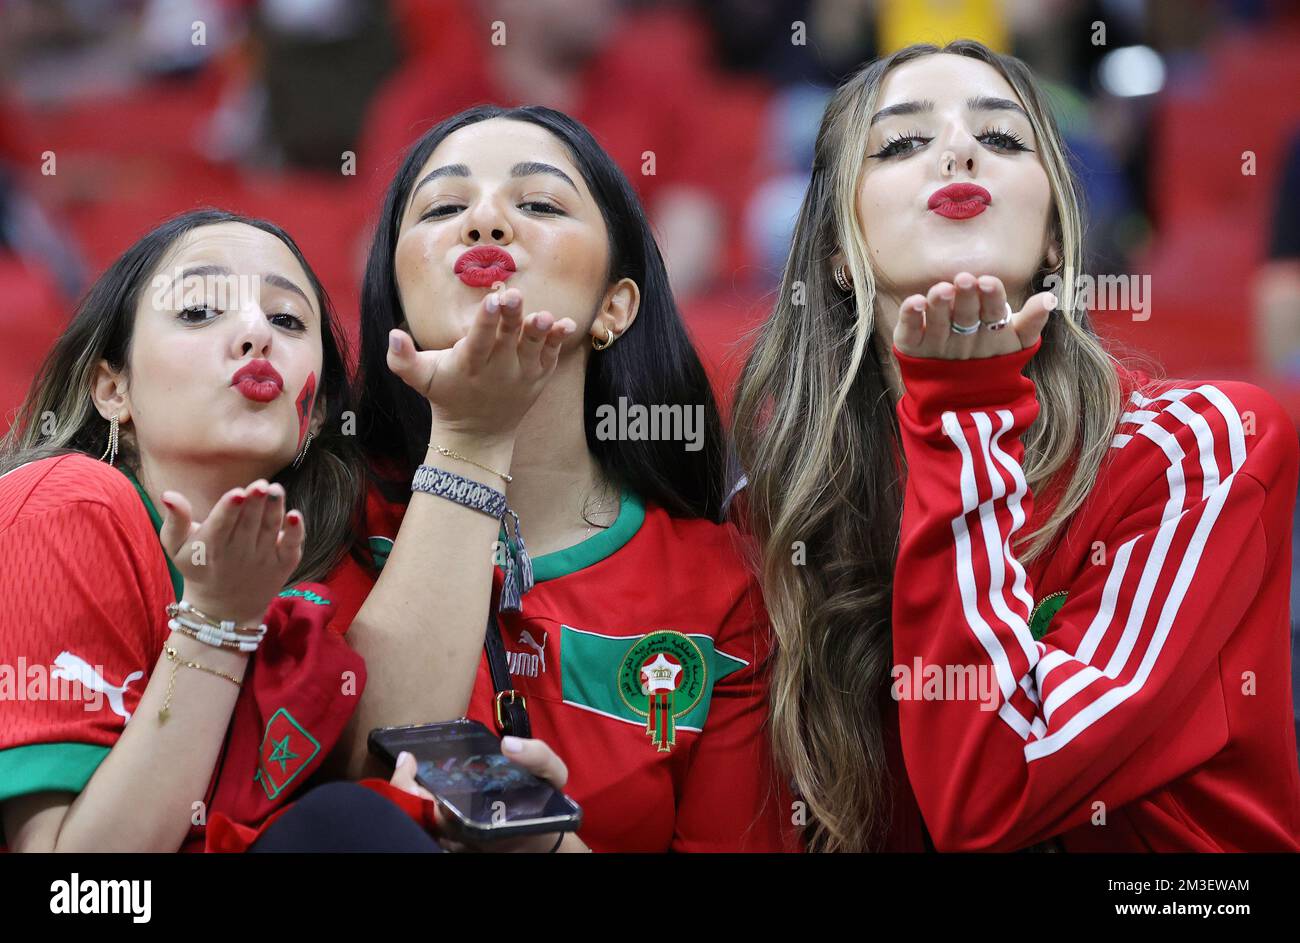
x=662, y=677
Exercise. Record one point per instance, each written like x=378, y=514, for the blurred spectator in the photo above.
x=903, y=22
x=30, y=234
x=791, y=42
x=1277, y=283
x=641, y=80
x=301, y=81
x=1277, y=319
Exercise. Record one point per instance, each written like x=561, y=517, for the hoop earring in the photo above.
x=305, y=446
x=610, y=337
x=842, y=280
x=111, y=452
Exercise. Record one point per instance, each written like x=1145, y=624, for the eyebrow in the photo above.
x=523, y=169
x=978, y=103
x=279, y=281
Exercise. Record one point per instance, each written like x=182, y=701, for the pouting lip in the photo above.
x=484, y=257
x=959, y=193
x=260, y=371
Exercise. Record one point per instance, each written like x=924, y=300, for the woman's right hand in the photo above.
x=237, y=560
x=487, y=380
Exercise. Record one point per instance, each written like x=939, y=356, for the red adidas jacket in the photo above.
x=1152, y=711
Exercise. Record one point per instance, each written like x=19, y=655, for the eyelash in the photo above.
x=548, y=209
x=299, y=325
x=1010, y=142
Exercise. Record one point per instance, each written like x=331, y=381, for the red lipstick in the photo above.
x=484, y=266
x=258, y=380
x=960, y=200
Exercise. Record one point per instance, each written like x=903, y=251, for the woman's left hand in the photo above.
x=924, y=321
x=533, y=755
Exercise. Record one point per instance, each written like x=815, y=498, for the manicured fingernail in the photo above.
x=394, y=341
x=512, y=744
x=275, y=496
x=402, y=757
x=1051, y=302
x=493, y=303
x=237, y=499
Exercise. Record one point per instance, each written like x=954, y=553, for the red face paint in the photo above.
x=304, y=403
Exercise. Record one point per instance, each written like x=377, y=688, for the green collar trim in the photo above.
x=605, y=543
x=178, y=581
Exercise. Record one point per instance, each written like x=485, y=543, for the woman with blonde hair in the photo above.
x=1051, y=588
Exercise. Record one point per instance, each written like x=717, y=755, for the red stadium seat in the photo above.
x=32, y=314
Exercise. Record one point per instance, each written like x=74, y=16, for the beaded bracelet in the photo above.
x=480, y=497
x=208, y=637
x=186, y=619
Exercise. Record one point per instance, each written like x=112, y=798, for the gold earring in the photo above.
x=305, y=446
x=610, y=337
x=111, y=452
x=842, y=280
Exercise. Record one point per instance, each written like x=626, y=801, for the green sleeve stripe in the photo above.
x=48, y=767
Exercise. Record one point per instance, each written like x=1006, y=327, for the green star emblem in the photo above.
x=281, y=753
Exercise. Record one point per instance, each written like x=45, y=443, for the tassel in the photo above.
x=524, y=561
x=510, y=596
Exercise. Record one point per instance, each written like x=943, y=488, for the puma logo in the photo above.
x=523, y=663
x=72, y=667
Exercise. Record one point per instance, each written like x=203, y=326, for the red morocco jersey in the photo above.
x=84, y=583
x=652, y=600
x=1143, y=662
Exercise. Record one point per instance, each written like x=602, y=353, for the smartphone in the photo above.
x=485, y=796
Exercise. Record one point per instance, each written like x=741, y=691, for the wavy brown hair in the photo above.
x=816, y=431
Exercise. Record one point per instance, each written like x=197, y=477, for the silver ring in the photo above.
x=999, y=325
x=963, y=329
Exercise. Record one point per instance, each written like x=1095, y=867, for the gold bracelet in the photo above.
x=441, y=450
x=174, y=657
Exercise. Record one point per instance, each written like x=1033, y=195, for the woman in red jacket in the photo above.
x=1080, y=634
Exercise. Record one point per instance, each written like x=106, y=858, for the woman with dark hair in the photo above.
x=205, y=358
x=630, y=626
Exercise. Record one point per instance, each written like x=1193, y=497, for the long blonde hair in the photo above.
x=816, y=431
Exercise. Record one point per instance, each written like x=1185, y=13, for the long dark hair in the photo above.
x=653, y=363
x=58, y=416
